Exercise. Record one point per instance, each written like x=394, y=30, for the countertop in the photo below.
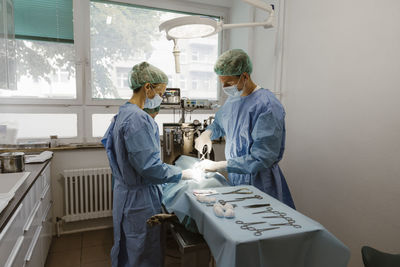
x=34, y=169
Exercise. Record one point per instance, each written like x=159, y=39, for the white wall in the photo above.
x=341, y=92
x=258, y=42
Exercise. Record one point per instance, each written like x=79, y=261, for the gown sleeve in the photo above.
x=144, y=155
x=216, y=128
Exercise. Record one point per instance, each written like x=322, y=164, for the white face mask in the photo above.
x=233, y=90
x=154, y=102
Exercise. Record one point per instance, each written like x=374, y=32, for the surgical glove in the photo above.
x=212, y=166
x=188, y=174
x=202, y=140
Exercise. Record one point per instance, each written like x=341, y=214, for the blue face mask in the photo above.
x=232, y=90
x=154, y=102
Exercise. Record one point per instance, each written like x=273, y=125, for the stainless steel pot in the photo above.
x=12, y=162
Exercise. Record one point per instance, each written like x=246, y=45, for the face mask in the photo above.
x=232, y=90
x=154, y=102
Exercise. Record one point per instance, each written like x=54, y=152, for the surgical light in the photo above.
x=189, y=27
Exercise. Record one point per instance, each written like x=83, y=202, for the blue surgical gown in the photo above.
x=132, y=143
x=254, y=129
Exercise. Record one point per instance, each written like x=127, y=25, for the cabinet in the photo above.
x=26, y=239
x=7, y=46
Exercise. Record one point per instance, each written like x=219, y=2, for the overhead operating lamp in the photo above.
x=189, y=27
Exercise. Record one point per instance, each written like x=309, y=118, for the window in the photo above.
x=45, y=53
x=100, y=123
x=206, y=84
x=182, y=85
x=170, y=81
x=44, y=70
x=111, y=45
x=41, y=126
x=73, y=60
x=201, y=80
x=195, y=55
x=183, y=57
x=122, y=78
x=194, y=84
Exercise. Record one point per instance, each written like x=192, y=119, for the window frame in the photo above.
x=84, y=105
x=50, y=110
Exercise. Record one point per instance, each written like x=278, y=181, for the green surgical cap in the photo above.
x=143, y=73
x=233, y=62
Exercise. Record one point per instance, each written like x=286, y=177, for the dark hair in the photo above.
x=136, y=90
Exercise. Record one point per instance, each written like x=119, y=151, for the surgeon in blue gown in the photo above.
x=133, y=148
x=253, y=123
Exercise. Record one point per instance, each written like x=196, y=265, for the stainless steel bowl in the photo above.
x=12, y=162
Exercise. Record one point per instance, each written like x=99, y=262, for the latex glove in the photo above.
x=202, y=140
x=212, y=166
x=188, y=174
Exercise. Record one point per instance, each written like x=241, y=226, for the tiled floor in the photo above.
x=93, y=248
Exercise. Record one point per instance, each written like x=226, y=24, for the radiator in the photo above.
x=88, y=194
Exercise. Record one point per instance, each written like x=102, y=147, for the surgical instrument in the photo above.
x=251, y=197
x=258, y=232
x=204, y=152
x=271, y=210
x=245, y=226
x=211, y=205
x=239, y=191
x=266, y=211
x=239, y=199
x=223, y=202
x=254, y=206
x=288, y=224
x=279, y=217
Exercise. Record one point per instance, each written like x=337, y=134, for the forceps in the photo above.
x=291, y=223
x=255, y=196
x=277, y=215
x=245, y=226
x=239, y=199
x=268, y=210
x=259, y=231
x=239, y=191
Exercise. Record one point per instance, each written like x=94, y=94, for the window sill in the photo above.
x=55, y=149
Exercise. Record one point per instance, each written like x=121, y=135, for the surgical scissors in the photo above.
x=258, y=232
x=239, y=191
x=245, y=226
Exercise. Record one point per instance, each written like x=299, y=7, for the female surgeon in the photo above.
x=132, y=143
